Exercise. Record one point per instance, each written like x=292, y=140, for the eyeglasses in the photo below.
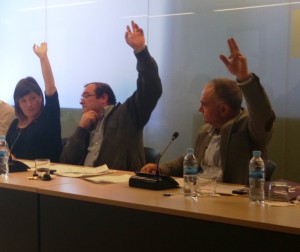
x=86, y=95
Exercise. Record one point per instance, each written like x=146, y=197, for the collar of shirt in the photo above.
x=212, y=152
x=213, y=132
x=107, y=110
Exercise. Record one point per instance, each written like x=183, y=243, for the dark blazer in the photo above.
x=122, y=146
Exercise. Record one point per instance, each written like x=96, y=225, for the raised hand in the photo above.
x=236, y=63
x=135, y=37
x=40, y=51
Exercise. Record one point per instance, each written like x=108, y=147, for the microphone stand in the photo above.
x=15, y=165
x=174, y=136
x=154, y=181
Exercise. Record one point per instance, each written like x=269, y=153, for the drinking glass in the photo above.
x=207, y=180
x=278, y=191
x=42, y=167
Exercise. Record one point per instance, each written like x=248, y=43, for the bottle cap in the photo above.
x=256, y=153
x=190, y=150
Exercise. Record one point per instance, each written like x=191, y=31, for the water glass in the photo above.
x=278, y=191
x=42, y=166
x=207, y=180
x=207, y=185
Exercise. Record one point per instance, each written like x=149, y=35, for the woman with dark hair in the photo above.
x=36, y=132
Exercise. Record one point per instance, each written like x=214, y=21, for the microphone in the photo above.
x=15, y=165
x=174, y=136
x=155, y=181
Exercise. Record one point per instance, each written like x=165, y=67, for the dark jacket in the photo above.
x=122, y=147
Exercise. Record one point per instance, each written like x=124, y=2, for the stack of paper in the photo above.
x=109, y=179
x=80, y=171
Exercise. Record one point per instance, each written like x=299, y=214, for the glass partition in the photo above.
x=86, y=43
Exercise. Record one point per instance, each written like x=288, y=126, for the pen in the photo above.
x=168, y=194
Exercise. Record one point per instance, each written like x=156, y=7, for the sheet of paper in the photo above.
x=79, y=171
x=109, y=179
x=278, y=203
x=30, y=163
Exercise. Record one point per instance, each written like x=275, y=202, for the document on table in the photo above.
x=80, y=171
x=73, y=171
x=109, y=179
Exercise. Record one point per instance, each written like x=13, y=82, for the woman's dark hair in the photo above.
x=228, y=91
x=103, y=88
x=24, y=87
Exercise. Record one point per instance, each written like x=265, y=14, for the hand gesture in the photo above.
x=89, y=117
x=41, y=51
x=135, y=37
x=236, y=63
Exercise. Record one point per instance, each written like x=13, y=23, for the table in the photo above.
x=19, y=211
x=67, y=214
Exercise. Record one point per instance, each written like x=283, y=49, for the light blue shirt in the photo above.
x=96, y=138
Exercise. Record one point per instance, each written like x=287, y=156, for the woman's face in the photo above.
x=31, y=105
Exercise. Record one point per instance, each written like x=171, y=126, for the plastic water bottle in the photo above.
x=190, y=170
x=3, y=156
x=256, y=178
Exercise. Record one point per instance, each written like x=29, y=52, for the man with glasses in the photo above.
x=112, y=133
